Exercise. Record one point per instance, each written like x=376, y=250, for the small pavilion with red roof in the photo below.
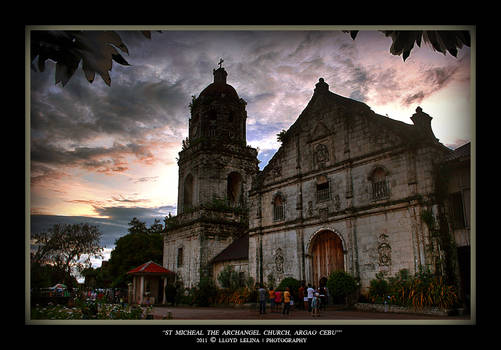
x=148, y=284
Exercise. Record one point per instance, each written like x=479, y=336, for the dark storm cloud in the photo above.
x=100, y=159
x=440, y=76
x=414, y=98
x=113, y=227
x=111, y=230
x=125, y=214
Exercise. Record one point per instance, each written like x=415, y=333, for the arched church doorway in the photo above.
x=327, y=255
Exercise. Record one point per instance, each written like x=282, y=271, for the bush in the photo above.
x=238, y=296
x=341, y=284
x=85, y=310
x=205, y=292
x=379, y=289
x=418, y=291
x=231, y=279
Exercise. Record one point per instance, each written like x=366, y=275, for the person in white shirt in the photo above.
x=309, y=293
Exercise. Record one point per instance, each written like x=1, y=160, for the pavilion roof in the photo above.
x=150, y=267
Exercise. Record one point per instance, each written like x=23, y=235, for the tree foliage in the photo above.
x=440, y=40
x=96, y=49
x=139, y=246
x=341, y=284
x=65, y=248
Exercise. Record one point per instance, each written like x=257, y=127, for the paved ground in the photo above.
x=229, y=313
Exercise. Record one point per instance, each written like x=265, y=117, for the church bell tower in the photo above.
x=216, y=163
x=215, y=172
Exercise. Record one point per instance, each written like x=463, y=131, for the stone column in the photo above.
x=353, y=248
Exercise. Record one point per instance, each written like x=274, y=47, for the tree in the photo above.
x=440, y=40
x=97, y=49
x=66, y=249
x=139, y=246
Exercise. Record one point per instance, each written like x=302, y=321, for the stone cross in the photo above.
x=220, y=62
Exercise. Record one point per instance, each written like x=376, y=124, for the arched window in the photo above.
x=234, y=189
x=278, y=207
x=179, y=256
x=379, y=184
x=188, y=193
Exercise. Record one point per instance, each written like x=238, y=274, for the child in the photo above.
x=278, y=300
x=315, y=305
x=287, y=301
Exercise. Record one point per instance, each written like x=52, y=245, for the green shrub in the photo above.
x=379, y=289
x=231, y=279
x=89, y=310
x=341, y=284
x=205, y=292
x=421, y=290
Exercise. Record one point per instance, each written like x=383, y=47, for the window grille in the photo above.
x=323, y=189
x=278, y=209
x=278, y=212
x=380, y=190
x=322, y=194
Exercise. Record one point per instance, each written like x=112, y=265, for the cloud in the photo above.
x=145, y=179
x=99, y=159
x=139, y=122
x=114, y=221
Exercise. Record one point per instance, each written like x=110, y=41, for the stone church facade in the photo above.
x=345, y=191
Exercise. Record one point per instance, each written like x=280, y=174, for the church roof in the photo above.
x=237, y=250
x=460, y=153
x=324, y=99
x=149, y=268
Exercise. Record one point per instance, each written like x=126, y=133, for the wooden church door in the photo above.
x=327, y=255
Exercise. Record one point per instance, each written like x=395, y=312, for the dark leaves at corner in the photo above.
x=96, y=50
x=440, y=40
x=119, y=59
x=353, y=33
x=403, y=41
x=147, y=33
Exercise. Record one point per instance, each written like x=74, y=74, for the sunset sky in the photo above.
x=105, y=154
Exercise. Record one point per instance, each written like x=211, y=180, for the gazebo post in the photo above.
x=134, y=291
x=149, y=270
x=141, y=290
x=163, y=289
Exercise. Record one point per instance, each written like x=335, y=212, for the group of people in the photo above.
x=109, y=295
x=278, y=300
x=313, y=299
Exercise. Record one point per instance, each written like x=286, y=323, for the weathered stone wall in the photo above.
x=344, y=145
x=210, y=172
x=238, y=266
x=188, y=239
x=201, y=242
